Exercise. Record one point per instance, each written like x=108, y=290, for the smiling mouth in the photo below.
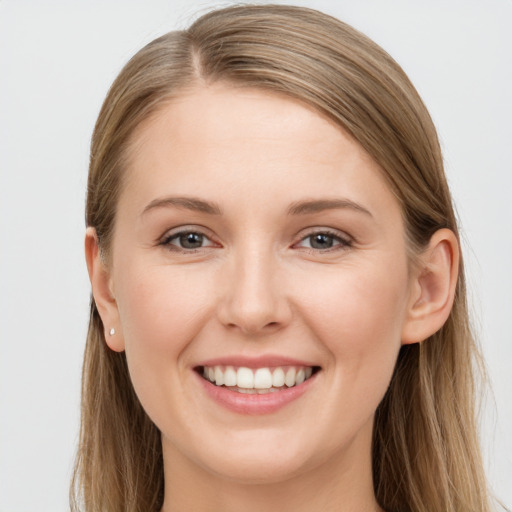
x=257, y=380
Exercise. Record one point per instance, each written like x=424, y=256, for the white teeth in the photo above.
x=229, y=376
x=245, y=378
x=260, y=380
x=219, y=376
x=289, y=379
x=278, y=378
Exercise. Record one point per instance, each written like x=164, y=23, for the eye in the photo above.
x=324, y=240
x=187, y=241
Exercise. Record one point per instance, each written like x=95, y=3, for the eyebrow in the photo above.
x=187, y=203
x=297, y=208
x=319, y=205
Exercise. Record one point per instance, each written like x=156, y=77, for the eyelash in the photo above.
x=342, y=242
x=167, y=241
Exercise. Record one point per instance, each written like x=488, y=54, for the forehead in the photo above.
x=234, y=142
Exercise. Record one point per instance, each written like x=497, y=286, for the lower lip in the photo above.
x=254, y=404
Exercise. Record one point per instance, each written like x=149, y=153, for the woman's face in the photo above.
x=257, y=243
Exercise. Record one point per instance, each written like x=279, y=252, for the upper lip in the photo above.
x=263, y=361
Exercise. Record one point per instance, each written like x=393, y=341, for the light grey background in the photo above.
x=57, y=60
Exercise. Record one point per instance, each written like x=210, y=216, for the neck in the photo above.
x=342, y=483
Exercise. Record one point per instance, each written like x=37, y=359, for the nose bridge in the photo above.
x=253, y=300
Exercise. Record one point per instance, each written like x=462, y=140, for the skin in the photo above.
x=259, y=286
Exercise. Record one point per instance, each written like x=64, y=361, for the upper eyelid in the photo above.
x=336, y=233
x=173, y=232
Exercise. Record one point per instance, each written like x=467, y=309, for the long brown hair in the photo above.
x=426, y=455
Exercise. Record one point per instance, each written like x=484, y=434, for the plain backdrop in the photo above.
x=57, y=60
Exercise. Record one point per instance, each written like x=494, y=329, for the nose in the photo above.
x=254, y=297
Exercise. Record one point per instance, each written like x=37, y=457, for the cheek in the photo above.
x=358, y=316
x=161, y=311
x=355, y=303
x=364, y=317
x=160, y=308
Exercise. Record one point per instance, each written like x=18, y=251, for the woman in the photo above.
x=279, y=315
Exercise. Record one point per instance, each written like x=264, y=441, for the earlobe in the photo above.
x=104, y=299
x=433, y=288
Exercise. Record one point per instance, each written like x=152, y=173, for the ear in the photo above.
x=433, y=288
x=102, y=291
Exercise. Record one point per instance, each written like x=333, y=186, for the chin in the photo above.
x=260, y=460
x=258, y=471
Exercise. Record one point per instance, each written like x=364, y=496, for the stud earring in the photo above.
x=112, y=331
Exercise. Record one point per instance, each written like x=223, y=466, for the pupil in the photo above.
x=321, y=241
x=191, y=240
